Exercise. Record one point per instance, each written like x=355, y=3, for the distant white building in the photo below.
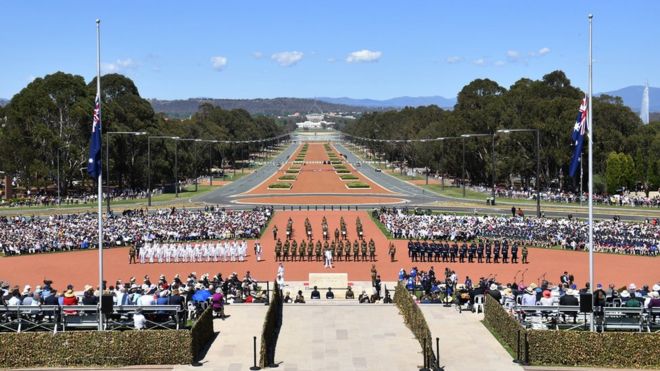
x=314, y=121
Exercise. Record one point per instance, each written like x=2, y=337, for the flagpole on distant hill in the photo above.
x=100, y=175
x=591, y=174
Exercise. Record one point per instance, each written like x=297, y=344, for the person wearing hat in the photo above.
x=349, y=293
x=529, y=297
x=630, y=300
x=70, y=299
x=495, y=293
x=546, y=300
x=569, y=299
x=88, y=296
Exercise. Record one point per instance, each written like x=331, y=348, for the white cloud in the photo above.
x=454, y=59
x=286, y=59
x=332, y=60
x=544, y=51
x=499, y=63
x=219, y=62
x=119, y=65
x=257, y=55
x=513, y=54
x=364, y=55
x=479, y=62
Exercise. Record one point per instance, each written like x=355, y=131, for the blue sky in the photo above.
x=359, y=49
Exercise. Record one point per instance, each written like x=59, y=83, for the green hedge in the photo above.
x=342, y=171
x=202, y=332
x=271, y=329
x=414, y=319
x=349, y=177
x=574, y=348
x=280, y=185
x=357, y=185
x=95, y=348
x=287, y=177
x=338, y=167
x=293, y=171
x=336, y=162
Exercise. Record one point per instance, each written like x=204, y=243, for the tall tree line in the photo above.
x=549, y=105
x=49, y=122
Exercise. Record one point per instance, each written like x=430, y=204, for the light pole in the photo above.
x=492, y=174
x=538, y=163
x=107, y=159
x=149, y=162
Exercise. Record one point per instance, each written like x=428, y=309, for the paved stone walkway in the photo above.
x=232, y=349
x=465, y=344
x=340, y=336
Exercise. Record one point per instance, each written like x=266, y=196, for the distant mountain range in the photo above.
x=181, y=108
x=398, y=102
x=632, y=97
x=3, y=102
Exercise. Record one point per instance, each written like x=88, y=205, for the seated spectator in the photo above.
x=287, y=297
x=529, y=297
x=70, y=299
x=176, y=298
x=300, y=299
x=363, y=298
x=569, y=299
x=654, y=301
x=315, y=294
x=139, y=321
x=388, y=298
x=15, y=298
x=632, y=301
x=349, y=293
x=88, y=296
x=509, y=299
x=329, y=294
x=546, y=300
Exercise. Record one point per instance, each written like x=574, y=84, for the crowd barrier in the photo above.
x=55, y=318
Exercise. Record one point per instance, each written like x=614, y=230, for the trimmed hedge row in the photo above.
x=361, y=185
x=414, y=319
x=202, y=332
x=287, y=177
x=271, y=329
x=349, y=177
x=96, y=348
x=574, y=348
x=280, y=185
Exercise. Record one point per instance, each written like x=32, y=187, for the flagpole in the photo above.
x=591, y=173
x=100, y=177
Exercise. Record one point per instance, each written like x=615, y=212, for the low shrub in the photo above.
x=339, y=167
x=287, y=177
x=414, y=319
x=292, y=171
x=279, y=185
x=342, y=171
x=336, y=162
x=357, y=185
x=348, y=177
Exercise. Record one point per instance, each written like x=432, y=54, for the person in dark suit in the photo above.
x=329, y=294
x=569, y=299
x=315, y=293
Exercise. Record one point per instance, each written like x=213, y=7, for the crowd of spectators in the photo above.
x=197, y=292
x=24, y=235
x=448, y=288
x=43, y=198
x=614, y=236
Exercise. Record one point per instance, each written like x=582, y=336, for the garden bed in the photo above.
x=357, y=185
x=280, y=185
x=349, y=177
x=287, y=177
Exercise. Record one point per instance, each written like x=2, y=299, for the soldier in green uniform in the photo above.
x=318, y=250
x=278, y=250
x=336, y=233
x=340, y=250
x=275, y=232
x=132, y=252
x=303, y=247
x=524, y=254
x=347, y=250
x=392, y=251
x=310, y=250
x=363, y=249
x=333, y=248
x=294, y=250
x=356, y=251
x=287, y=245
x=372, y=250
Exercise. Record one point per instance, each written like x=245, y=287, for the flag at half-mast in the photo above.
x=579, y=131
x=94, y=167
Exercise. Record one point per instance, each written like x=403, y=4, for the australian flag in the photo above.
x=579, y=130
x=94, y=167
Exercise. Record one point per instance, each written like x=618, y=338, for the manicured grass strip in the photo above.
x=349, y=177
x=280, y=185
x=293, y=171
x=287, y=177
x=357, y=185
x=339, y=167
x=342, y=171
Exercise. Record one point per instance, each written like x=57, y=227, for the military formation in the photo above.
x=339, y=248
x=156, y=252
x=479, y=251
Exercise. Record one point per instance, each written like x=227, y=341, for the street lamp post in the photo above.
x=107, y=160
x=149, y=162
x=538, y=163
